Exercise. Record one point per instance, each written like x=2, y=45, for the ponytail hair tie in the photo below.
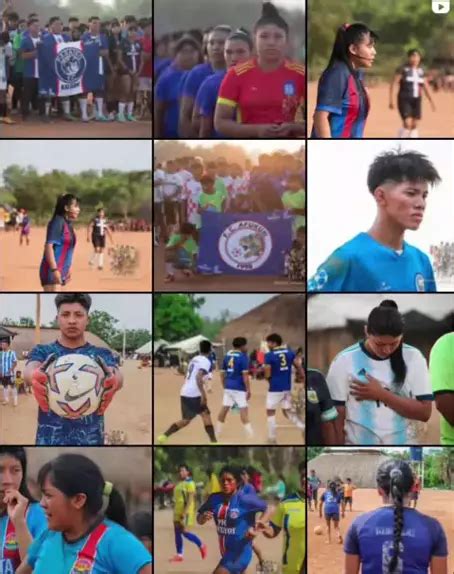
x=345, y=27
x=108, y=487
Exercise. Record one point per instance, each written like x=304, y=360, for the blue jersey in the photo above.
x=212, y=359
x=341, y=93
x=10, y=558
x=194, y=79
x=7, y=360
x=207, y=96
x=168, y=90
x=118, y=552
x=370, y=536
x=332, y=501
x=281, y=360
x=248, y=489
x=235, y=364
x=60, y=234
x=364, y=265
x=131, y=52
x=233, y=518
x=55, y=430
x=29, y=44
x=96, y=67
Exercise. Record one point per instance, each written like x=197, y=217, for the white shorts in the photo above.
x=232, y=398
x=276, y=399
x=144, y=84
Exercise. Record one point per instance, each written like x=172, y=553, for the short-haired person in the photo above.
x=8, y=364
x=53, y=430
x=380, y=259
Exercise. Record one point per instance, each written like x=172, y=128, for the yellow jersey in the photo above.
x=348, y=490
x=290, y=517
x=181, y=495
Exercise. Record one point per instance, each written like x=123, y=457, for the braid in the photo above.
x=397, y=497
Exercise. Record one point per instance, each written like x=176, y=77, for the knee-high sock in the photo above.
x=178, y=541
x=193, y=538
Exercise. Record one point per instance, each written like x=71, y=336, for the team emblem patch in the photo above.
x=312, y=397
x=11, y=543
x=289, y=89
x=70, y=65
x=245, y=245
x=319, y=280
x=234, y=514
x=82, y=566
x=420, y=283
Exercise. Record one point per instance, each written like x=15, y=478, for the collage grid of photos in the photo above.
x=226, y=287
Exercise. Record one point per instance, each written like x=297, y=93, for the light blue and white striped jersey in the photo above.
x=372, y=422
x=7, y=359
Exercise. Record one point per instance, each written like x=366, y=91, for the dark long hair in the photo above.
x=18, y=452
x=76, y=474
x=271, y=15
x=386, y=320
x=64, y=201
x=395, y=478
x=345, y=36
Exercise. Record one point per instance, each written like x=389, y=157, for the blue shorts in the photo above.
x=66, y=432
x=332, y=515
x=237, y=563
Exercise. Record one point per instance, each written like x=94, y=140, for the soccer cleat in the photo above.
x=162, y=439
x=203, y=551
x=102, y=118
x=131, y=118
x=121, y=118
x=70, y=118
x=176, y=558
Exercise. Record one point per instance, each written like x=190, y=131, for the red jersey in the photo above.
x=264, y=97
x=148, y=65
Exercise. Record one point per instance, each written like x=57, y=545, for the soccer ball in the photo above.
x=76, y=384
x=318, y=530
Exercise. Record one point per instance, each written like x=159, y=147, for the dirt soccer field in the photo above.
x=193, y=564
x=230, y=283
x=130, y=411
x=67, y=130
x=385, y=123
x=19, y=266
x=167, y=385
x=328, y=558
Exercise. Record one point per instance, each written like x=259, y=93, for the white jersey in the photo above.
x=172, y=187
x=367, y=422
x=185, y=176
x=193, y=190
x=190, y=387
x=159, y=177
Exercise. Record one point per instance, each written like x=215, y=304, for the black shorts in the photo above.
x=7, y=381
x=98, y=241
x=409, y=107
x=315, y=495
x=191, y=407
x=158, y=213
x=348, y=499
x=171, y=212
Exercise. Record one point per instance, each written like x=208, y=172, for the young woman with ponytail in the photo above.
x=342, y=101
x=395, y=539
x=86, y=524
x=380, y=385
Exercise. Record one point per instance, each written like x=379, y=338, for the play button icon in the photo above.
x=441, y=7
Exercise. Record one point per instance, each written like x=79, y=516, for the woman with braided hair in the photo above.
x=395, y=539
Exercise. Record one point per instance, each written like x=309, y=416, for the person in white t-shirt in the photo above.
x=380, y=386
x=159, y=176
x=172, y=190
x=193, y=396
x=193, y=189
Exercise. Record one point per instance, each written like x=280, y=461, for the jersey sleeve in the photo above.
x=253, y=503
x=229, y=92
x=440, y=543
x=190, y=487
x=269, y=358
x=104, y=42
x=244, y=363
x=55, y=231
x=331, y=89
x=331, y=275
x=205, y=101
x=351, y=544
x=36, y=520
x=327, y=408
x=34, y=549
x=224, y=364
x=110, y=359
x=190, y=85
x=173, y=240
x=208, y=505
x=336, y=380
x=38, y=353
x=418, y=377
x=161, y=90
x=441, y=365
x=126, y=554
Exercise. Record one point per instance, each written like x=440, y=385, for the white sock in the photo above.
x=295, y=420
x=101, y=260
x=93, y=258
x=271, y=422
x=414, y=133
x=47, y=108
x=83, y=102
x=130, y=108
x=5, y=394
x=249, y=430
x=100, y=106
x=121, y=108
x=15, y=395
x=219, y=427
x=169, y=269
x=66, y=108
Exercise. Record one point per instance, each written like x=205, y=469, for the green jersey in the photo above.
x=295, y=200
x=212, y=201
x=188, y=245
x=441, y=366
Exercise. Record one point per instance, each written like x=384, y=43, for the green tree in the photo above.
x=313, y=451
x=212, y=327
x=175, y=317
x=26, y=322
x=103, y=325
x=135, y=338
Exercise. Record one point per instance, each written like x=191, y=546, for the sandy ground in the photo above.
x=19, y=266
x=77, y=130
x=326, y=559
x=130, y=411
x=230, y=283
x=165, y=548
x=385, y=123
x=167, y=385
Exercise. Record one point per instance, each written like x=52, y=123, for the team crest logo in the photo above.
x=70, y=65
x=420, y=283
x=245, y=245
x=11, y=542
x=234, y=514
x=82, y=566
x=289, y=89
x=319, y=280
x=312, y=397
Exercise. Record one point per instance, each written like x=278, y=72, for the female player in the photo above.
x=332, y=500
x=130, y=64
x=86, y=524
x=97, y=230
x=412, y=83
x=408, y=541
x=238, y=49
x=55, y=268
x=234, y=513
x=25, y=228
x=261, y=98
x=342, y=101
x=168, y=88
x=21, y=518
x=380, y=385
x=184, y=513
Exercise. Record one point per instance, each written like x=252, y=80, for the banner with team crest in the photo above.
x=244, y=244
x=68, y=68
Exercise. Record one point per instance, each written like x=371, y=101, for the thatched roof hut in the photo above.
x=283, y=314
x=359, y=464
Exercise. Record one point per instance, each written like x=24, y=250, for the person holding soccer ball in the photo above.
x=87, y=524
x=21, y=517
x=72, y=319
